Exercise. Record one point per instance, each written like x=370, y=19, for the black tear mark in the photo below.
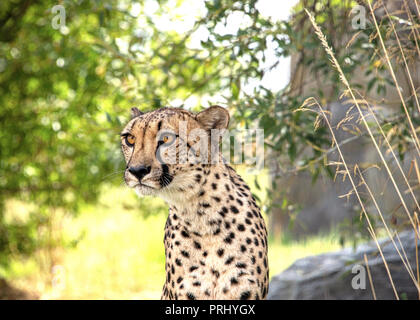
x=165, y=178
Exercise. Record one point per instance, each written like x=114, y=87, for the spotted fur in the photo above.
x=215, y=237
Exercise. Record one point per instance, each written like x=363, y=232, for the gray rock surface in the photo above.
x=330, y=275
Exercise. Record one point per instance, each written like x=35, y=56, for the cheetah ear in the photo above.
x=214, y=117
x=135, y=112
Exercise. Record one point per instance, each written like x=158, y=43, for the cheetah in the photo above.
x=215, y=237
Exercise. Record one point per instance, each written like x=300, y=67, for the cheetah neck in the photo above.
x=202, y=205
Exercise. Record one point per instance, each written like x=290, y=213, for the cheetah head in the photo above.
x=162, y=148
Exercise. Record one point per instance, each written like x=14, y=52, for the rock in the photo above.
x=331, y=275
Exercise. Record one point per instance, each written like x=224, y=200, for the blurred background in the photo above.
x=70, y=70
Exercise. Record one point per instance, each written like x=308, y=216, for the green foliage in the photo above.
x=289, y=133
x=65, y=93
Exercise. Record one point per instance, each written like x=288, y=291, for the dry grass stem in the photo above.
x=370, y=277
x=404, y=59
x=343, y=78
x=356, y=192
x=404, y=259
x=394, y=78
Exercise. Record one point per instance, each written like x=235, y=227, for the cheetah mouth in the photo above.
x=136, y=184
x=144, y=190
x=142, y=185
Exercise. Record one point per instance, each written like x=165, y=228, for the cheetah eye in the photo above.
x=166, y=138
x=130, y=140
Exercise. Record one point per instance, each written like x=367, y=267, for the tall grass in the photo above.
x=352, y=174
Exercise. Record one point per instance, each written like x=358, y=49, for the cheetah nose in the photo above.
x=139, y=171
